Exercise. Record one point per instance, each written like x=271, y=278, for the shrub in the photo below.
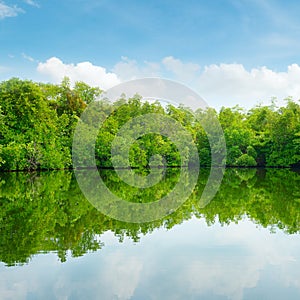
x=245, y=160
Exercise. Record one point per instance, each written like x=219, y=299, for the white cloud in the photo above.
x=216, y=279
x=222, y=84
x=122, y=274
x=128, y=69
x=230, y=84
x=229, y=275
x=183, y=71
x=9, y=11
x=32, y=3
x=55, y=70
x=223, y=261
x=27, y=57
x=219, y=84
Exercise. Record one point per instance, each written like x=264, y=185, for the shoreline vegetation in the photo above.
x=37, y=122
x=292, y=168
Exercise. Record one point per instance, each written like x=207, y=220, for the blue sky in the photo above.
x=251, y=44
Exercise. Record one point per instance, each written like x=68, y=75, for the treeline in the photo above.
x=37, y=122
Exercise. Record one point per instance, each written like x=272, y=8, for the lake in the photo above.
x=244, y=244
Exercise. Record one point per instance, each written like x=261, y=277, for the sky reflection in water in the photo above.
x=243, y=245
x=190, y=261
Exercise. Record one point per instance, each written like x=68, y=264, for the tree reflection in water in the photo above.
x=43, y=212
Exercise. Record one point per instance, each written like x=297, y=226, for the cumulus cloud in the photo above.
x=219, y=84
x=183, y=71
x=129, y=69
x=229, y=84
x=54, y=69
x=9, y=11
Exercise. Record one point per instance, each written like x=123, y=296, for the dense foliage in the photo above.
x=37, y=123
x=47, y=211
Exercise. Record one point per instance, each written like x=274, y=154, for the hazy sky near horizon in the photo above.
x=229, y=51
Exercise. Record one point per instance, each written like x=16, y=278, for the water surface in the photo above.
x=243, y=245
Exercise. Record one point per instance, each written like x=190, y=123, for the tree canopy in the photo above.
x=37, y=123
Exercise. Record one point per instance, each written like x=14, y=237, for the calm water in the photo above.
x=244, y=244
